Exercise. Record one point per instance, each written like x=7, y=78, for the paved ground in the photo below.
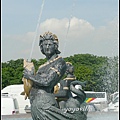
x=16, y=116
x=91, y=116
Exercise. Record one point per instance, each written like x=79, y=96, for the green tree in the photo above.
x=100, y=72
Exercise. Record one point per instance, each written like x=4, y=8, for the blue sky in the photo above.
x=93, y=27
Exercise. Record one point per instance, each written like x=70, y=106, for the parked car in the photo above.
x=9, y=106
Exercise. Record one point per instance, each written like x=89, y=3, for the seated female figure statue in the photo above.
x=64, y=93
x=43, y=103
x=70, y=95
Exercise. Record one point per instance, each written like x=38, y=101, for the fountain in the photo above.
x=42, y=100
x=109, y=80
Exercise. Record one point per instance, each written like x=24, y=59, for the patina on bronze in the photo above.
x=43, y=103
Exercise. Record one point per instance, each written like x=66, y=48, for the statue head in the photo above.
x=70, y=68
x=49, y=41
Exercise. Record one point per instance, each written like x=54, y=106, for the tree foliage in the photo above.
x=99, y=72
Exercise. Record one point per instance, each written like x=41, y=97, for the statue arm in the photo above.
x=43, y=79
x=51, y=76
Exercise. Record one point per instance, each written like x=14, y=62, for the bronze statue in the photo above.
x=43, y=103
x=63, y=93
x=70, y=93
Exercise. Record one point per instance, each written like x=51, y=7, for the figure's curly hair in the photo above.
x=49, y=36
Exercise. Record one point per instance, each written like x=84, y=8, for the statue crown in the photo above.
x=48, y=36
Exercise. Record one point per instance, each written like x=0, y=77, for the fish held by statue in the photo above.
x=27, y=83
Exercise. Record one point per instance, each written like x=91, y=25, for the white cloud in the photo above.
x=82, y=37
x=78, y=27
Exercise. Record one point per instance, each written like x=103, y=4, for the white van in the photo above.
x=9, y=106
x=15, y=92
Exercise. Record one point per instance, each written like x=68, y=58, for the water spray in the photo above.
x=68, y=28
x=36, y=32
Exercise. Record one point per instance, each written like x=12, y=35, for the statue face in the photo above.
x=70, y=70
x=48, y=47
